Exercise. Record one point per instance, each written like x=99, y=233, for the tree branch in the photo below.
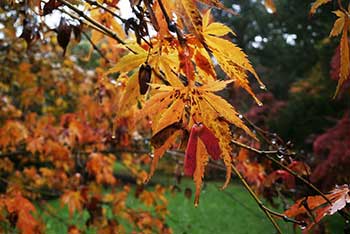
x=95, y=47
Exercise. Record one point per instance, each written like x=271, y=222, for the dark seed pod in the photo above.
x=145, y=73
x=64, y=31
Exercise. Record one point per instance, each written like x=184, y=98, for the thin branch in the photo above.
x=341, y=7
x=257, y=200
x=252, y=149
x=267, y=154
x=172, y=25
x=95, y=47
x=82, y=22
x=95, y=3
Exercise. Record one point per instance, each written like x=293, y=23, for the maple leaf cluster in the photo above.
x=341, y=26
x=61, y=127
x=59, y=132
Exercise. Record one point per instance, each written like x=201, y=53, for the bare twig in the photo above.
x=95, y=47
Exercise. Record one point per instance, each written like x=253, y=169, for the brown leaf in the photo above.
x=338, y=197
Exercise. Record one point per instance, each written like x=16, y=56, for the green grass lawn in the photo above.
x=228, y=211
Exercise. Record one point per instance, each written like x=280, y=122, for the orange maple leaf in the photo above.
x=317, y=207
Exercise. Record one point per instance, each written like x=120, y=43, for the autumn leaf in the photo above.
x=217, y=4
x=338, y=24
x=73, y=200
x=344, y=56
x=190, y=161
x=209, y=140
x=101, y=167
x=231, y=59
x=201, y=144
x=287, y=178
x=319, y=207
x=24, y=210
x=144, y=76
x=270, y=5
x=194, y=16
x=63, y=34
x=316, y=5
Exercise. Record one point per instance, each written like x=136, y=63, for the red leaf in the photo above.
x=211, y=142
x=191, y=151
x=300, y=168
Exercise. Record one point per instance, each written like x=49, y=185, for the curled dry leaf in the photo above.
x=318, y=206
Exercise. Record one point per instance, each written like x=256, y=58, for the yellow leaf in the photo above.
x=227, y=52
x=128, y=63
x=338, y=24
x=217, y=29
x=214, y=86
x=158, y=102
x=270, y=5
x=171, y=115
x=130, y=94
x=204, y=65
x=226, y=111
x=222, y=131
x=201, y=161
x=206, y=19
x=192, y=12
x=316, y=5
x=168, y=63
x=233, y=63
